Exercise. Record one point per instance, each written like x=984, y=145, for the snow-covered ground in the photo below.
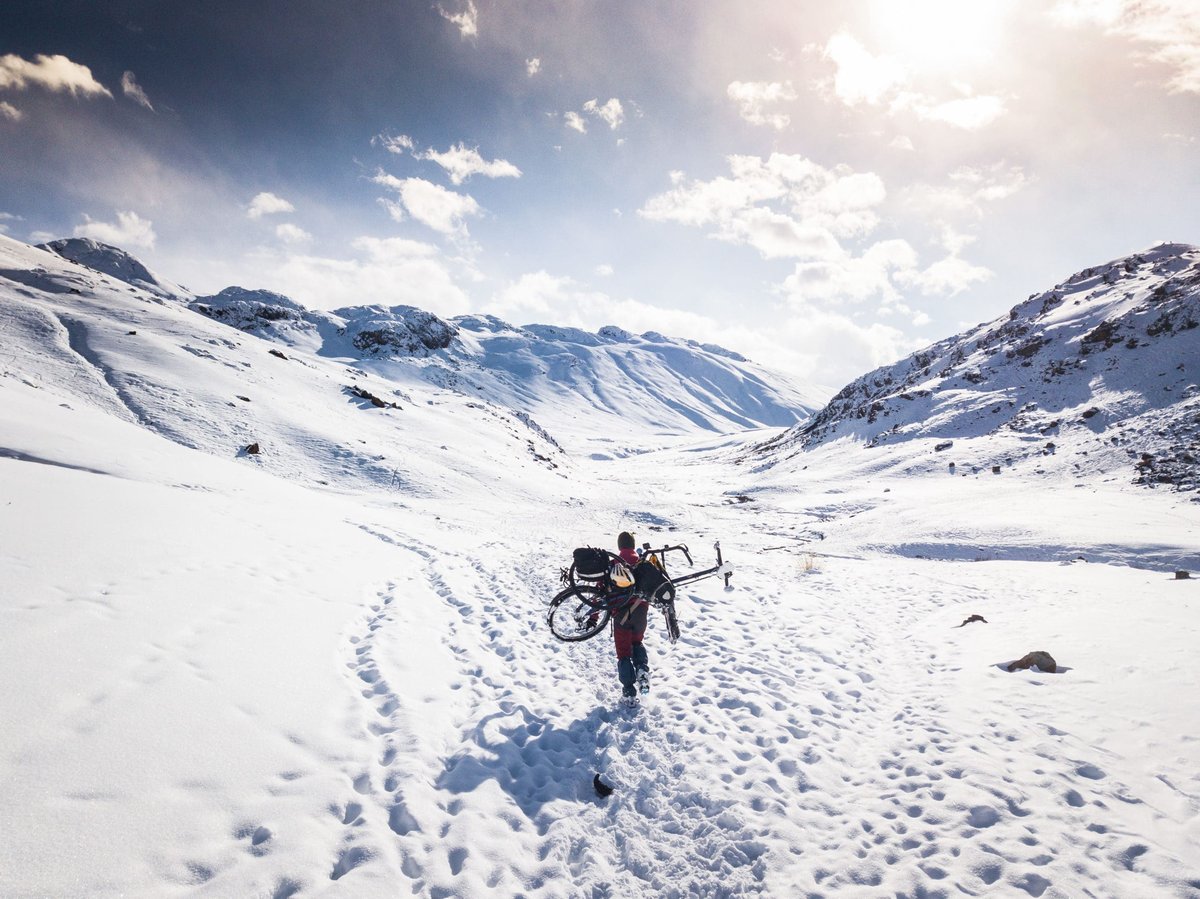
x=318, y=672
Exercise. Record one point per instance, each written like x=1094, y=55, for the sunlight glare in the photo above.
x=939, y=35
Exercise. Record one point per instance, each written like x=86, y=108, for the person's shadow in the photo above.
x=533, y=761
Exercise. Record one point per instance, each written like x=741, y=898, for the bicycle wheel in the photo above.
x=573, y=617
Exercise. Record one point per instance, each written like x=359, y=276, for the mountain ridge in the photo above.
x=1106, y=360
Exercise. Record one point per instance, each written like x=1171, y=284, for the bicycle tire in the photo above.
x=574, y=616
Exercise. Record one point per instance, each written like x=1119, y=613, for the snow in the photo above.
x=325, y=670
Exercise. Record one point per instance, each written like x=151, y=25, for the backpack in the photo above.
x=591, y=564
x=648, y=577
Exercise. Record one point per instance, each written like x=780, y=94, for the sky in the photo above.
x=824, y=187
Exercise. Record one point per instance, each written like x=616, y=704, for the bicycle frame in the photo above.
x=721, y=568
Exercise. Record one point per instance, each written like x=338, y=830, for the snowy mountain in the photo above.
x=1098, y=376
x=323, y=668
x=113, y=262
x=614, y=384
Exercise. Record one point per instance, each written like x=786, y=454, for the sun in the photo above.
x=940, y=35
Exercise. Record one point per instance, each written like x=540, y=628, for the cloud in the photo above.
x=10, y=112
x=134, y=91
x=432, y=205
x=1168, y=30
x=385, y=271
x=467, y=20
x=130, y=230
x=394, y=249
x=798, y=342
x=845, y=277
x=947, y=277
x=5, y=218
x=969, y=113
x=461, y=162
x=54, y=73
x=966, y=194
x=604, y=270
x=533, y=66
x=575, y=121
x=861, y=77
x=752, y=98
x=864, y=79
x=292, y=234
x=267, y=203
x=398, y=144
x=783, y=206
x=610, y=111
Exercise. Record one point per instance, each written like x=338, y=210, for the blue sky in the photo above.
x=823, y=187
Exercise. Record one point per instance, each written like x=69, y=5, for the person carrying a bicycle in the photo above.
x=629, y=627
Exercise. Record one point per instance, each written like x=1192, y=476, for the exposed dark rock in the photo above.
x=1182, y=575
x=277, y=353
x=972, y=619
x=253, y=450
x=1039, y=659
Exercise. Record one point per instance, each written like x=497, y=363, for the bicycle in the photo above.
x=584, y=608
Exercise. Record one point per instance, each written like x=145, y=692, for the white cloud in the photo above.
x=845, y=277
x=947, y=277
x=610, y=111
x=54, y=73
x=1168, y=30
x=5, y=218
x=575, y=121
x=753, y=98
x=604, y=270
x=900, y=142
x=267, y=203
x=10, y=112
x=394, y=249
x=799, y=342
x=431, y=204
x=398, y=144
x=533, y=66
x=383, y=273
x=968, y=113
x=134, y=91
x=467, y=20
x=461, y=162
x=130, y=230
x=292, y=234
x=784, y=206
x=862, y=77
x=965, y=196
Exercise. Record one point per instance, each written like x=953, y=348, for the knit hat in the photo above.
x=625, y=540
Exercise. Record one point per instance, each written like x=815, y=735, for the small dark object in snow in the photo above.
x=1039, y=659
x=253, y=450
x=130, y=333
x=1088, y=413
x=1182, y=575
x=602, y=789
x=995, y=469
x=945, y=445
x=244, y=399
x=972, y=618
x=277, y=353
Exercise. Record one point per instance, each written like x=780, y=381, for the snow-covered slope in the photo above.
x=612, y=390
x=114, y=262
x=1098, y=376
x=127, y=352
x=223, y=677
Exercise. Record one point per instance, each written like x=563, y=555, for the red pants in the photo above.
x=626, y=634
